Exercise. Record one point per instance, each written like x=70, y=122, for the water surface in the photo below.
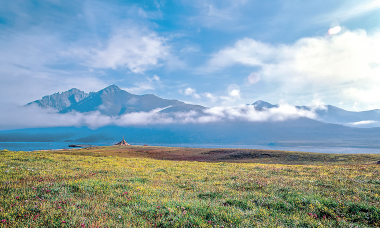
x=32, y=146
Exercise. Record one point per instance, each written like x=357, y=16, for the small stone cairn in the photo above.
x=122, y=143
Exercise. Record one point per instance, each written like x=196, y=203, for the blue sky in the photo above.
x=213, y=53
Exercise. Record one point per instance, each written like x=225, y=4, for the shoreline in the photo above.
x=42, y=146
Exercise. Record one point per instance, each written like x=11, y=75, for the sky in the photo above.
x=211, y=52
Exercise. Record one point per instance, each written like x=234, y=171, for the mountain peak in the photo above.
x=74, y=90
x=62, y=100
x=112, y=88
x=263, y=104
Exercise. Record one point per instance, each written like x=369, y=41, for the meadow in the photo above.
x=148, y=187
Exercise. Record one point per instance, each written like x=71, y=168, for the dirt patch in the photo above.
x=221, y=152
x=226, y=155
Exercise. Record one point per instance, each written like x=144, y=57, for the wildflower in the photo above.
x=63, y=221
x=324, y=217
x=4, y=221
x=119, y=216
x=82, y=225
x=158, y=207
x=59, y=207
x=209, y=222
x=17, y=197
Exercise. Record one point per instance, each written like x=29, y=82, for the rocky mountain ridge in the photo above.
x=112, y=101
x=62, y=100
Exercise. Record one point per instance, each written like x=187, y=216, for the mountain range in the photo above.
x=113, y=101
x=332, y=127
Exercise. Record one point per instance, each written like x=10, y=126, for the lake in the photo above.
x=32, y=146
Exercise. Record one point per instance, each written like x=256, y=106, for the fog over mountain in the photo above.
x=115, y=102
x=103, y=116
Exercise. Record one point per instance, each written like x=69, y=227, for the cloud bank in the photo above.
x=345, y=65
x=33, y=116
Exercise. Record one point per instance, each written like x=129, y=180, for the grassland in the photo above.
x=171, y=187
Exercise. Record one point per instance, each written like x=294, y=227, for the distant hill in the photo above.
x=261, y=105
x=335, y=115
x=62, y=100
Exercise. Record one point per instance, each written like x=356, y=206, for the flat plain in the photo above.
x=188, y=187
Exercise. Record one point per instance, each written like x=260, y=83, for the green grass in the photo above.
x=67, y=189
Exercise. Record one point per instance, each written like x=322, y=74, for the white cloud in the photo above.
x=211, y=97
x=343, y=64
x=249, y=113
x=246, y=51
x=234, y=91
x=141, y=87
x=317, y=104
x=364, y=122
x=368, y=95
x=133, y=49
x=191, y=92
x=33, y=116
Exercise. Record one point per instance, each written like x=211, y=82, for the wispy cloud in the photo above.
x=142, y=87
x=349, y=10
x=216, y=14
x=190, y=92
x=364, y=124
x=129, y=48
